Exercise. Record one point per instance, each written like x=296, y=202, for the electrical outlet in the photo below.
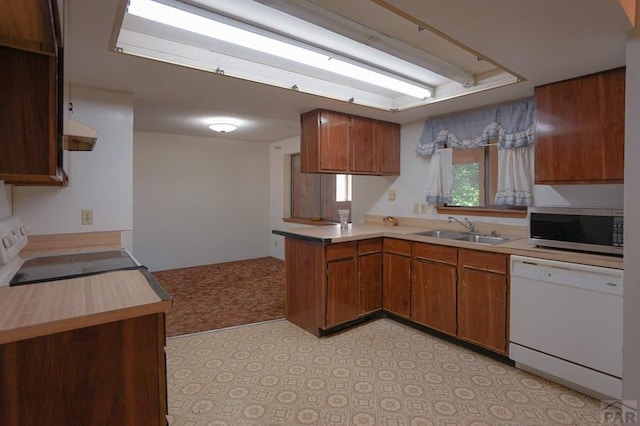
x=416, y=208
x=391, y=194
x=87, y=216
x=423, y=208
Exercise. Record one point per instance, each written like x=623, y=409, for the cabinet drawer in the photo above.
x=484, y=261
x=436, y=253
x=370, y=246
x=401, y=247
x=341, y=250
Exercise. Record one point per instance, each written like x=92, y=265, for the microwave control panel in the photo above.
x=618, y=231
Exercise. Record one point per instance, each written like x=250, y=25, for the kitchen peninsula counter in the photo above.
x=40, y=309
x=520, y=246
x=86, y=350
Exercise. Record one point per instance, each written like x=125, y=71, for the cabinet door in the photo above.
x=342, y=292
x=28, y=134
x=369, y=283
x=364, y=145
x=482, y=308
x=433, y=295
x=388, y=135
x=396, y=292
x=581, y=119
x=334, y=141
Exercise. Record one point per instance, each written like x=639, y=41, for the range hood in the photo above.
x=78, y=137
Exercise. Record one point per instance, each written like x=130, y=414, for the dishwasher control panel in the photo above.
x=594, y=278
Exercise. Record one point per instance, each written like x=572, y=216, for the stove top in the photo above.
x=66, y=266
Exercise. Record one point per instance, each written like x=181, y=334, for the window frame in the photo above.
x=489, y=173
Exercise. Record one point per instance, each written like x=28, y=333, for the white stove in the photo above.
x=14, y=270
x=13, y=238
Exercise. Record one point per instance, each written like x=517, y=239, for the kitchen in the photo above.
x=129, y=179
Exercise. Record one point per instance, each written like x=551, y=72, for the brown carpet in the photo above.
x=223, y=295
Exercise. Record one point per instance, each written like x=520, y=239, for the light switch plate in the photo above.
x=391, y=194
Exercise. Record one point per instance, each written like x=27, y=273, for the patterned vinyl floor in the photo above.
x=379, y=373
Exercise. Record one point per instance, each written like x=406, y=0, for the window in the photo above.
x=318, y=196
x=475, y=176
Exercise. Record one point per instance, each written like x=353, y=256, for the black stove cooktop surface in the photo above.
x=51, y=268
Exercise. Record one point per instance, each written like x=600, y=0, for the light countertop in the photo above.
x=333, y=234
x=40, y=309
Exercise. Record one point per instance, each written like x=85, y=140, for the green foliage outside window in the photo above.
x=466, y=185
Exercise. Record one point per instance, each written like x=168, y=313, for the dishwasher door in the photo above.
x=567, y=320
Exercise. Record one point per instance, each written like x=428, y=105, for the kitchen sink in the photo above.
x=484, y=239
x=439, y=233
x=464, y=236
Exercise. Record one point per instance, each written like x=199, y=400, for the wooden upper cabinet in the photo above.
x=29, y=25
x=388, y=138
x=364, y=145
x=333, y=142
x=580, y=130
x=29, y=134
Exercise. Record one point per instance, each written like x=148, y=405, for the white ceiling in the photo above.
x=542, y=40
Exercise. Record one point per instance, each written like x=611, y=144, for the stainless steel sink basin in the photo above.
x=484, y=239
x=464, y=236
x=439, y=233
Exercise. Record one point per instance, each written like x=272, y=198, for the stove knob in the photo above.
x=8, y=241
x=23, y=230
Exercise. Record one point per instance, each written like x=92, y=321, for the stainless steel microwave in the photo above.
x=583, y=229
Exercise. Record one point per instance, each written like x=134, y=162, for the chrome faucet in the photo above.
x=469, y=225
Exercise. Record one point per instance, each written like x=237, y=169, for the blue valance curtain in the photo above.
x=512, y=125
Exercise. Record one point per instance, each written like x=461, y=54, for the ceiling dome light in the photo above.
x=223, y=127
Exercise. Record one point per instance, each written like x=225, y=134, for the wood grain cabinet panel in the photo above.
x=333, y=142
x=342, y=292
x=28, y=25
x=107, y=374
x=29, y=133
x=364, y=145
x=31, y=63
x=370, y=261
x=341, y=284
x=580, y=130
x=396, y=291
x=433, y=287
x=388, y=138
x=483, y=300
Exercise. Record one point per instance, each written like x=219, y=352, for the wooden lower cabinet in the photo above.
x=109, y=374
x=331, y=284
x=483, y=295
x=342, y=284
x=433, y=287
x=397, y=277
x=460, y=292
x=369, y=276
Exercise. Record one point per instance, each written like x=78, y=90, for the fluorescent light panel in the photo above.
x=184, y=20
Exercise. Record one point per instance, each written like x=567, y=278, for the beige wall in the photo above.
x=199, y=200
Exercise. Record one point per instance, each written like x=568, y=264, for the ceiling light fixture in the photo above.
x=288, y=50
x=223, y=127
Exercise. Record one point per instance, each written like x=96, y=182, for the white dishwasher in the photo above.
x=566, y=323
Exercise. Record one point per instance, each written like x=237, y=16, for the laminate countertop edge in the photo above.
x=520, y=246
x=54, y=307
